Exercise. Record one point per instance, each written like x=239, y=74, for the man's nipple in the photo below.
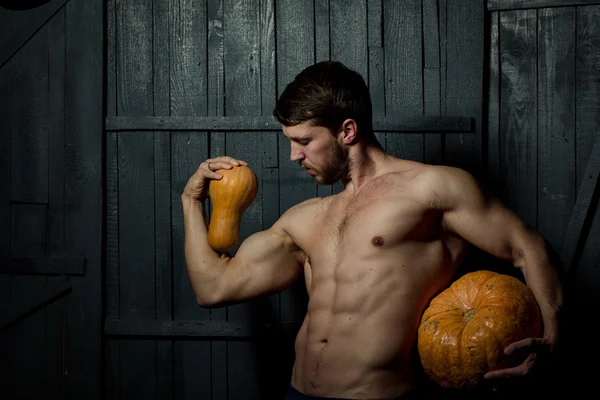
x=377, y=241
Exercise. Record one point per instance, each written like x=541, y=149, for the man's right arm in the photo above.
x=265, y=263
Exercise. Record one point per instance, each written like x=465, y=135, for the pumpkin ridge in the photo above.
x=460, y=341
x=498, y=341
x=438, y=313
x=478, y=298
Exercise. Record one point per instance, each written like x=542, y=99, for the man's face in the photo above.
x=318, y=152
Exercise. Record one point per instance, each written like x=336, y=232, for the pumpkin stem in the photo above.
x=469, y=314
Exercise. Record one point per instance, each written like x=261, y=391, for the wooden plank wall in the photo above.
x=216, y=58
x=543, y=119
x=51, y=201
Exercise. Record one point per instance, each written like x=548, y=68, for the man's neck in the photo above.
x=366, y=163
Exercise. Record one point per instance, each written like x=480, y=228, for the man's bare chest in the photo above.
x=369, y=224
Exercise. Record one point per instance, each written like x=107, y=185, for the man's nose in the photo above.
x=295, y=153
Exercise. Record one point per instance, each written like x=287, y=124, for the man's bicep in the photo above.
x=266, y=262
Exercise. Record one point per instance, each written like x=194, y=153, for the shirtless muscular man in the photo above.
x=373, y=255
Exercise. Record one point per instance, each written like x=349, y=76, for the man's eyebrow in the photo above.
x=300, y=136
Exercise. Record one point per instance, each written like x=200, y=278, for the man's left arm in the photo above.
x=483, y=221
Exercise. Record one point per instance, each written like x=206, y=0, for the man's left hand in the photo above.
x=536, y=353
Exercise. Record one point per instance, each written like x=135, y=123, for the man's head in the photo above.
x=324, y=110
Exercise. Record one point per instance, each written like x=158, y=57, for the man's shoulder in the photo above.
x=451, y=185
x=434, y=184
x=300, y=212
x=427, y=174
x=443, y=175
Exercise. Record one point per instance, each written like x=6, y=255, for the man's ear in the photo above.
x=349, y=130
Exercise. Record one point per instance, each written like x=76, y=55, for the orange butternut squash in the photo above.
x=230, y=196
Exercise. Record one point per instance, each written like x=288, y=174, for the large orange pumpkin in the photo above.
x=230, y=196
x=465, y=328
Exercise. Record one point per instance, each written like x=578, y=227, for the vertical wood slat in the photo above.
x=5, y=173
x=188, y=97
x=162, y=198
x=443, y=32
x=56, y=168
x=29, y=106
x=6, y=370
x=493, y=108
x=518, y=109
x=322, y=31
x=374, y=23
x=464, y=72
x=112, y=350
x=136, y=195
x=268, y=79
x=83, y=195
x=432, y=143
x=556, y=122
x=403, y=73
x=349, y=45
x=295, y=51
x=587, y=99
x=112, y=367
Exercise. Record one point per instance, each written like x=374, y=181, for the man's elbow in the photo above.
x=208, y=293
x=208, y=300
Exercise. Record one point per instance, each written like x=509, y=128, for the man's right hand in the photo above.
x=197, y=185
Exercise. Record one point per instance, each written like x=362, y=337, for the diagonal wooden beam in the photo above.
x=581, y=217
x=55, y=288
x=31, y=22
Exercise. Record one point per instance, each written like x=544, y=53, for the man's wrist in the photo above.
x=187, y=199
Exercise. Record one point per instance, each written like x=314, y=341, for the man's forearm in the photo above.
x=203, y=264
x=542, y=277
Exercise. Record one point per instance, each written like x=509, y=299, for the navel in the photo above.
x=377, y=241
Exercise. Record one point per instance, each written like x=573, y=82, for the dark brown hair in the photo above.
x=326, y=94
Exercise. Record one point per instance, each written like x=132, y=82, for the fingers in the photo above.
x=519, y=371
x=529, y=344
x=223, y=161
x=211, y=165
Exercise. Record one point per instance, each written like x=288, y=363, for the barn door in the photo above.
x=50, y=198
x=190, y=80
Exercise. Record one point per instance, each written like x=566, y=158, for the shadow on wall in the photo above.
x=22, y=4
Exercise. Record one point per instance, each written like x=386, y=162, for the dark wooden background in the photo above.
x=107, y=107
